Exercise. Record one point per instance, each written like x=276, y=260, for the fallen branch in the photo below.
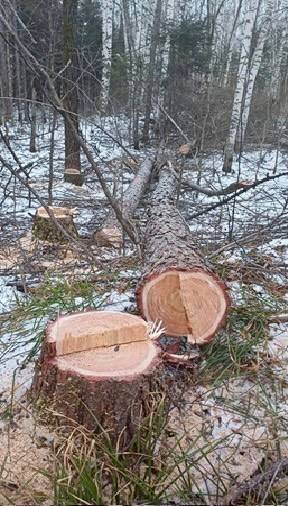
x=258, y=485
x=278, y=318
x=173, y=122
x=235, y=195
x=215, y=193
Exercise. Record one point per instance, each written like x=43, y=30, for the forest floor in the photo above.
x=229, y=418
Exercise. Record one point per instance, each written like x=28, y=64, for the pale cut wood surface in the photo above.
x=95, y=329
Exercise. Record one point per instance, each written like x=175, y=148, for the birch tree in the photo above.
x=107, y=31
x=241, y=82
x=253, y=72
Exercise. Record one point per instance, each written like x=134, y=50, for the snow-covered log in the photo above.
x=99, y=369
x=111, y=233
x=177, y=287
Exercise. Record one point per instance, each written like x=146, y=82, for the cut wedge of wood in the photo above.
x=94, y=329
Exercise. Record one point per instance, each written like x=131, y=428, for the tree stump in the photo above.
x=73, y=176
x=178, y=287
x=188, y=150
x=45, y=229
x=99, y=368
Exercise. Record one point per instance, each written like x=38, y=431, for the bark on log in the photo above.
x=111, y=234
x=99, y=369
x=177, y=286
x=45, y=229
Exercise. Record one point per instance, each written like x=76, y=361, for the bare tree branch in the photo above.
x=235, y=195
x=215, y=193
x=258, y=485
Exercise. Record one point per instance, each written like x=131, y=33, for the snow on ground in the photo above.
x=203, y=411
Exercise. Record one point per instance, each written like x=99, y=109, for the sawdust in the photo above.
x=221, y=436
x=25, y=452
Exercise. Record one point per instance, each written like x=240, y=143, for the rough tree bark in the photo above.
x=111, y=233
x=99, y=369
x=72, y=146
x=177, y=287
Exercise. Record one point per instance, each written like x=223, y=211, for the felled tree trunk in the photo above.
x=98, y=368
x=111, y=233
x=177, y=287
x=45, y=229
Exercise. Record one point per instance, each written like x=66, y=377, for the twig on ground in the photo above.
x=258, y=485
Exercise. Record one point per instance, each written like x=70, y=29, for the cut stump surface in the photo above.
x=99, y=368
x=73, y=176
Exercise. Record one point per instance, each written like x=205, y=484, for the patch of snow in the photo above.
x=115, y=301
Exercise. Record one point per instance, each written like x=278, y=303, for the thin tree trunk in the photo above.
x=33, y=130
x=26, y=93
x=254, y=69
x=151, y=70
x=72, y=146
x=5, y=69
x=241, y=83
x=107, y=28
x=131, y=38
x=51, y=63
x=51, y=159
x=233, y=39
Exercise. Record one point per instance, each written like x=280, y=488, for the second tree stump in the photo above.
x=45, y=229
